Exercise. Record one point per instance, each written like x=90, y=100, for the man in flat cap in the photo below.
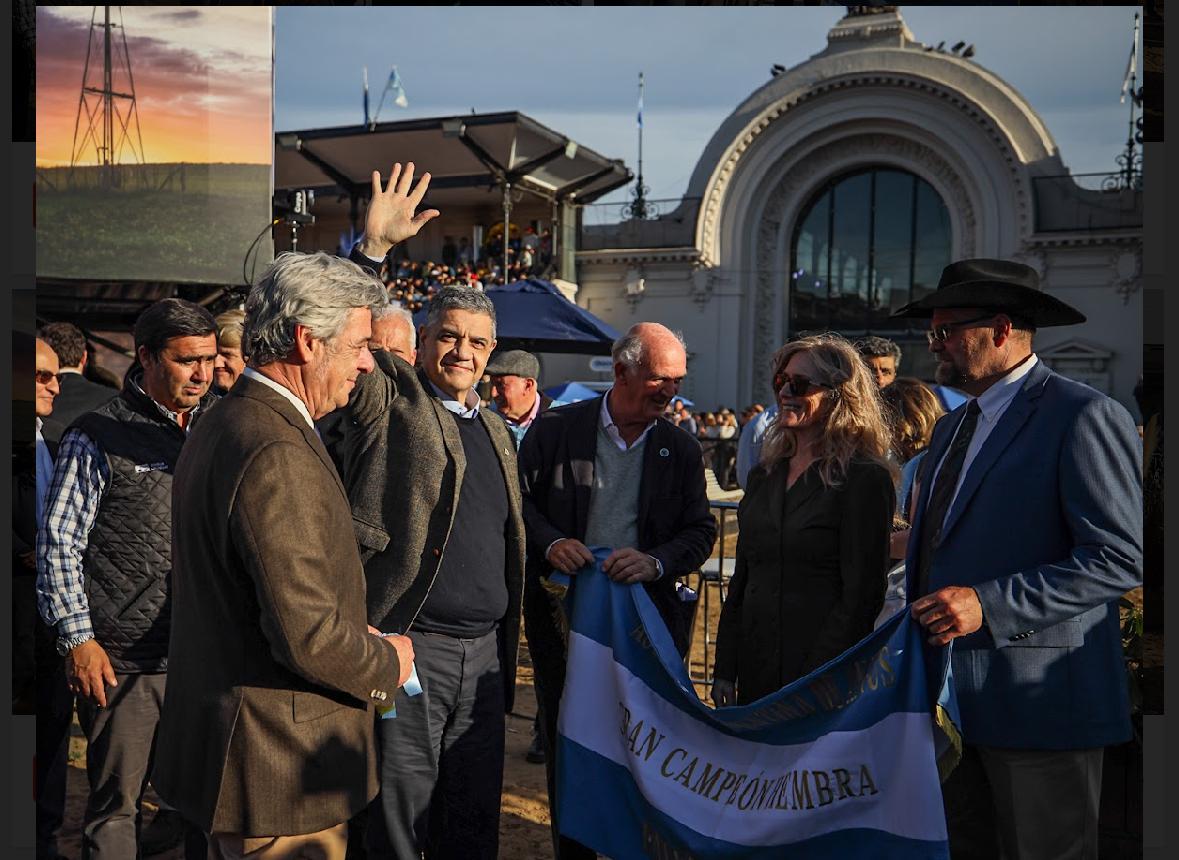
x=1028, y=529
x=515, y=390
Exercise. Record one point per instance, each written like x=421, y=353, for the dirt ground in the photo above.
x=524, y=822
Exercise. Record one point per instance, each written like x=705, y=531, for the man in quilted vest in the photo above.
x=104, y=560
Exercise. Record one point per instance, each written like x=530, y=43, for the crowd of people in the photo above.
x=413, y=283
x=307, y=639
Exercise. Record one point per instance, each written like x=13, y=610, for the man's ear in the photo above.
x=304, y=349
x=1002, y=329
x=142, y=353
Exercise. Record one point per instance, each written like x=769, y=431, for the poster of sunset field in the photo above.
x=154, y=141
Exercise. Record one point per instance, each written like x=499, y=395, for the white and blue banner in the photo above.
x=842, y=763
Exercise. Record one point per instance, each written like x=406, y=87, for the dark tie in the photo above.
x=941, y=495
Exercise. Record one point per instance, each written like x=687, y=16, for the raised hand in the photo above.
x=391, y=217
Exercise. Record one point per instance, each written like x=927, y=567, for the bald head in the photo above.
x=650, y=362
x=394, y=333
x=644, y=340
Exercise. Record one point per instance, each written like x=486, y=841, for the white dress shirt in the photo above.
x=992, y=403
x=284, y=391
x=612, y=429
x=463, y=410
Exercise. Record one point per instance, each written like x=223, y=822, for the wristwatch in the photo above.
x=67, y=644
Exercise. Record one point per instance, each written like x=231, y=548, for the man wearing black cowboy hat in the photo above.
x=1028, y=529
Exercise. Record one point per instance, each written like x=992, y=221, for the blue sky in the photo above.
x=576, y=69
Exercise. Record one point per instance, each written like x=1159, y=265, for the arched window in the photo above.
x=867, y=243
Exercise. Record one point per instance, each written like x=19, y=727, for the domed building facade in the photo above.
x=839, y=190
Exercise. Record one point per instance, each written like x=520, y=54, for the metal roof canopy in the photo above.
x=465, y=155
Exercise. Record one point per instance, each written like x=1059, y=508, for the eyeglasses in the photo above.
x=46, y=376
x=943, y=331
x=798, y=386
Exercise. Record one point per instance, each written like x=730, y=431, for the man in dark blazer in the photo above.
x=1028, y=529
x=266, y=739
x=612, y=471
x=432, y=480
x=78, y=394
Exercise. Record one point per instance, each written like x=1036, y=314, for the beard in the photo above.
x=947, y=373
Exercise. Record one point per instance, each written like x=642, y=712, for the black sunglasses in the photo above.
x=44, y=376
x=943, y=331
x=798, y=386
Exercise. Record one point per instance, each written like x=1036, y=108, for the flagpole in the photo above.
x=1130, y=159
x=639, y=207
x=366, y=96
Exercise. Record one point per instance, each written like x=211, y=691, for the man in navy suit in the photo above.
x=1027, y=531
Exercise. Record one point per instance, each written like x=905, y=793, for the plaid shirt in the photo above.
x=80, y=478
x=81, y=475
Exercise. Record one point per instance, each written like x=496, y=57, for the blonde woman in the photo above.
x=229, y=362
x=814, y=525
x=913, y=410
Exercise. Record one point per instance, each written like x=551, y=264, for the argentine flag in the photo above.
x=842, y=763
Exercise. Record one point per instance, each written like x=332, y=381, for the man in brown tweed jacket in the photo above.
x=266, y=739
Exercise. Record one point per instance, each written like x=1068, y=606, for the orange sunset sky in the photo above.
x=203, y=81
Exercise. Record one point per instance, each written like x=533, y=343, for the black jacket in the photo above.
x=78, y=396
x=810, y=574
x=128, y=560
x=674, y=524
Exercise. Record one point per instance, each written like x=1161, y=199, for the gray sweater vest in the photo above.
x=614, y=500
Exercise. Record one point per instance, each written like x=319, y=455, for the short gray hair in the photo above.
x=314, y=290
x=630, y=350
x=401, y=312
x=460, y=299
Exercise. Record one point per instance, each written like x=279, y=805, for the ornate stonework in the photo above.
x=808, y=173
x=710, y=210
x=704, y=281
x=1127, y=267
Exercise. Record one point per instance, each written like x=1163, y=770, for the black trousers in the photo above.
x=1016, y=804
x=442, y=757
x=55, y=713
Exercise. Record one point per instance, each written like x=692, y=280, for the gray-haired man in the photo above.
x=436, y=506
x=393, y=331
x=266, y=739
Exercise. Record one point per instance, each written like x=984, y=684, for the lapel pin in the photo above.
x=663, y=452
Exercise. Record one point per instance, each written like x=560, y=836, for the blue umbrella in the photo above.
x=533, y=315
x=571, y=392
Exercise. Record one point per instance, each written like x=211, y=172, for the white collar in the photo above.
x=40, y=424
x=995, y=400
x=284, y=391
x=468, y=410
x=174, y=417
x=607, y=422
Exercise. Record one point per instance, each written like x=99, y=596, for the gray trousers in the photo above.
x=442, y=757
x=1018, y=804
x=120, y=742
